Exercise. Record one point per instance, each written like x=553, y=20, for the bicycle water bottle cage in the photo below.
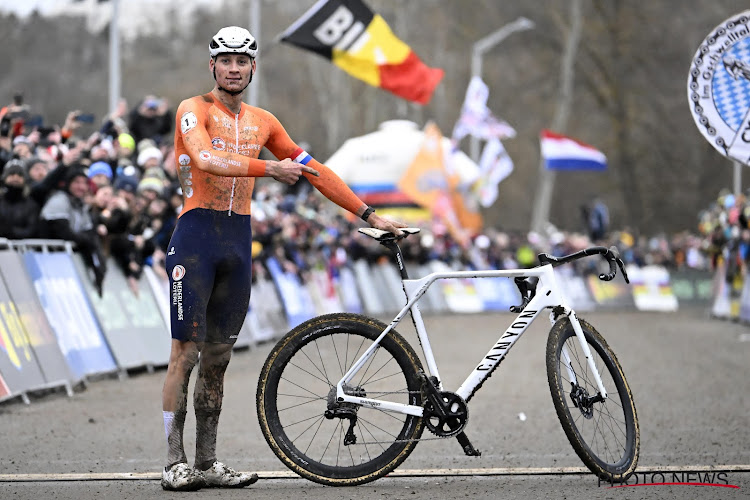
x=527, y=287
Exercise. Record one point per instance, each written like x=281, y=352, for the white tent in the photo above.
x=376, y=161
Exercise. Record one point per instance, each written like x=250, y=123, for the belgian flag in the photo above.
x=360, y=42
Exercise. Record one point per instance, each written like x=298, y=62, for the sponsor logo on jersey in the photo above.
x=253, y=128
x=184, y=160
x=178, y=272
x=205, y=155
x=218, y=143
x=188, y=121
x=171, y=251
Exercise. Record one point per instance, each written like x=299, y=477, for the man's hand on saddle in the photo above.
x=385, y=224
x=288, y=171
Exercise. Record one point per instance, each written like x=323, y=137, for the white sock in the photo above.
x=168, y=417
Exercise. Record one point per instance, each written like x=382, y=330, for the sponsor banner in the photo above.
x=721, y=307
x=323, y=292
x=460, y=294
x=132, y=323
x=267, y=320
x=5, y=392
x=297, y=302
x=245, y=337
x=651, y=288
x=692, y=287
x=18, y=363
x=615, y=294
x=34, y=323
x=372, y=301
x=744, y=309
x=160, y=288
x=69, y=312
x=387, y=281
x=718, y=88
x=497, y=294
x=347, y=288
x=575, y=289
x=432, y=300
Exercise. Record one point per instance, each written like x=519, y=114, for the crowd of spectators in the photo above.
x=115, y=193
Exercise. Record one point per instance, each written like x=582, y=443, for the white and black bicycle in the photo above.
x=343, y=399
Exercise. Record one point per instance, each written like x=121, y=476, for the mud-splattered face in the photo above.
x=232, y=71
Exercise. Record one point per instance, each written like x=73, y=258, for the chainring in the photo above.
x=455, y=419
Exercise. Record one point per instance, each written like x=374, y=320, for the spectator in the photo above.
x=100, y=174
x=19, y=214
x=151, y=119
x=23, y=148
x=65, y=216
x=597, y=219
x=150, y=157
x=42, y=189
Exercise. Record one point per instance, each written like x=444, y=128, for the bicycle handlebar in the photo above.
x=611, y=254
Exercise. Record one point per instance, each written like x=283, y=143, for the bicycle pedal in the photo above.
x=468, y=448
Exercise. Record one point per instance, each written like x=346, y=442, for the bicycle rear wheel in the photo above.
x=604, y=433
x=309, y=430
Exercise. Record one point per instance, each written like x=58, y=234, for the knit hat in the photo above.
x=151, y=183
x=148, y=154
x=127, y=183
x=100, y=167
x=16, y=167
x=126, y=141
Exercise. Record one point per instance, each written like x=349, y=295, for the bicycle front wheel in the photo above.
x=319, y=438
x=603, y=432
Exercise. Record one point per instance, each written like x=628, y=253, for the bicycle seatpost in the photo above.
x=391, y=245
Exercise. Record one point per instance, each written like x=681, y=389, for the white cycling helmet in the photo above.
x=233, y=40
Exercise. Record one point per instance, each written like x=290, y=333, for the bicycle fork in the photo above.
x=589, y=358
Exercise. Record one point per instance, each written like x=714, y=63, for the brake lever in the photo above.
x=621, y=264
x=614, y=260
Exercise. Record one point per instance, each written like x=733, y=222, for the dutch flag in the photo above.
x=565, y=153
x=301, y=156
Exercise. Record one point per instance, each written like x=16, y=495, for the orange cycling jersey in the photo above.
x=216, y=152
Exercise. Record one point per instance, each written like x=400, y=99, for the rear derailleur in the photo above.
x=337, y=409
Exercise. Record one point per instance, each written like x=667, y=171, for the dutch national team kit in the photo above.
x=210, y=252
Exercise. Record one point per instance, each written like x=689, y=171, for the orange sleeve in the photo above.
x=329, y=184
x=191, y=126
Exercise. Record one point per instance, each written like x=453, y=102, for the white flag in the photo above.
x=476, y=118
x=494, y=165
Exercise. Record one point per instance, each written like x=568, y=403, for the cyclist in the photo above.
x=217, y=142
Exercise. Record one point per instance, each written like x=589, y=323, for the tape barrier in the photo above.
x=24, y=303
x=68, y=311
